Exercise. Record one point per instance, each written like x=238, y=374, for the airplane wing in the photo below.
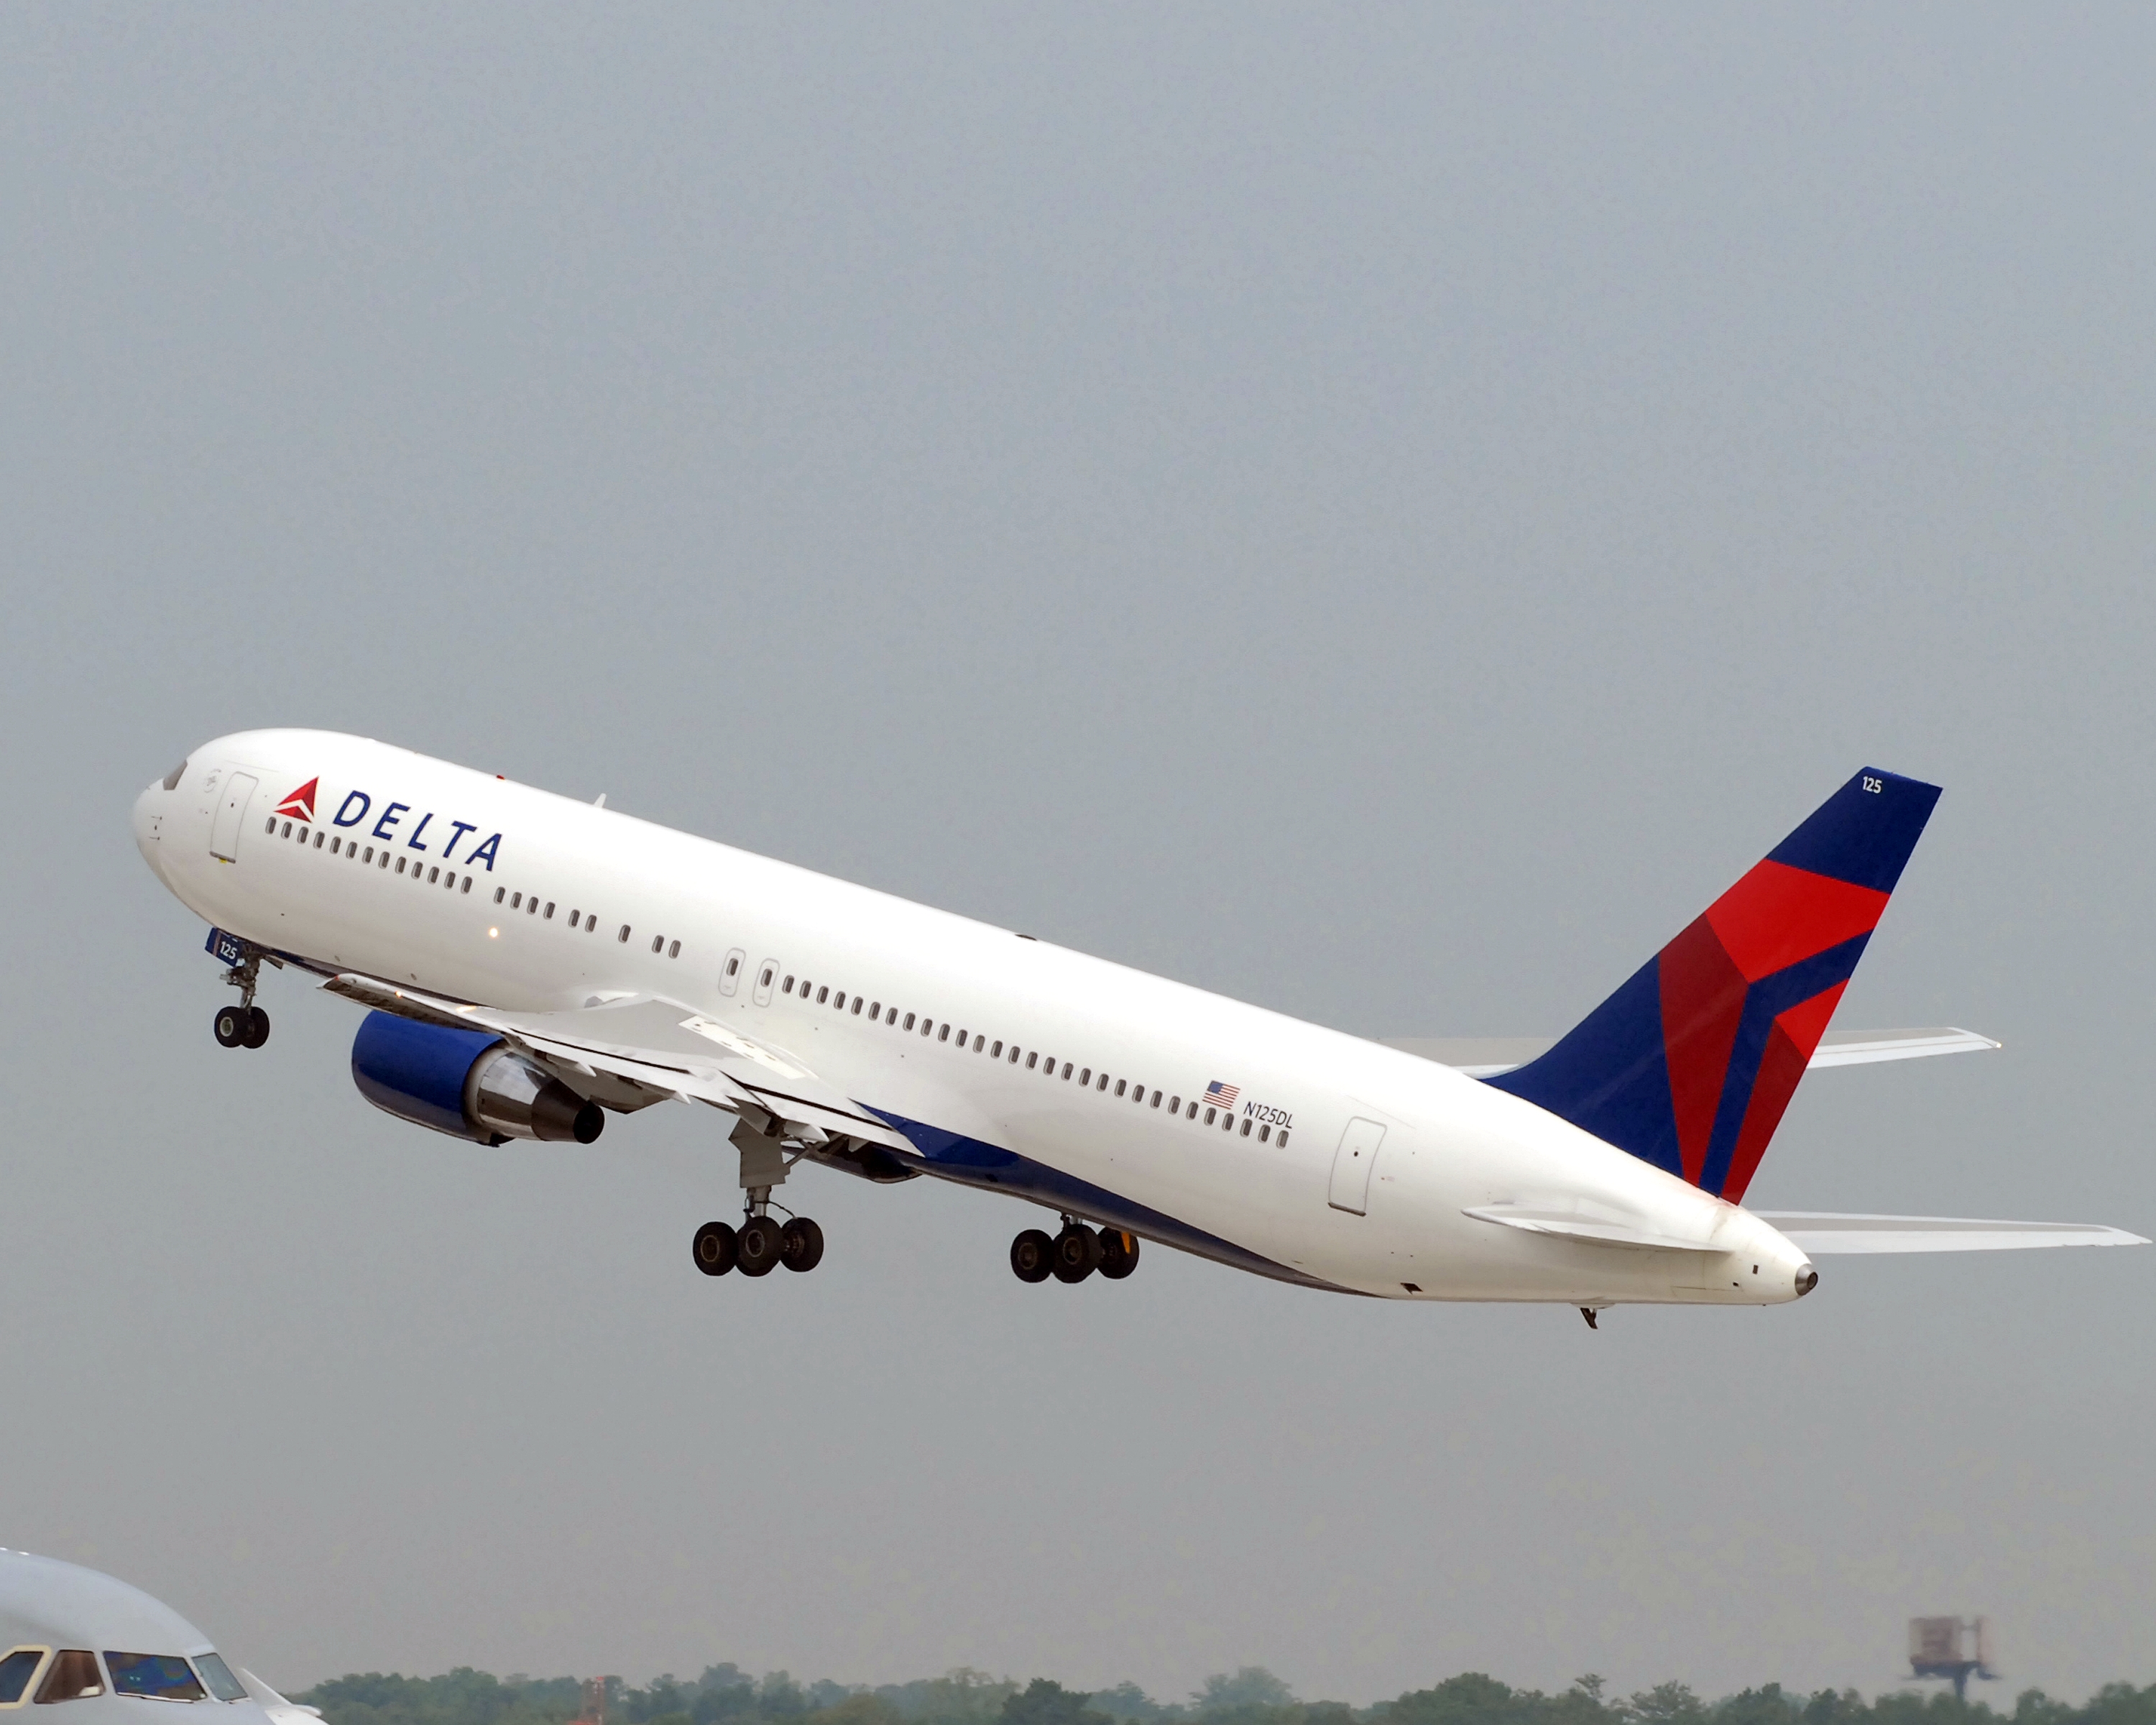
x=1486, y=1056
x=642, y=1049
x=1820, y=1235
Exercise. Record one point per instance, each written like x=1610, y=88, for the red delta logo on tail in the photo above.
x=300, y=804
x=1692, y=1062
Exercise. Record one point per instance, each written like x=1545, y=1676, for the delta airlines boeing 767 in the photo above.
x=530, y=965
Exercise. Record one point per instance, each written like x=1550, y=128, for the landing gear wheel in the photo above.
x=715, y=1249
x=1119, y=1253
x=231, y=1026
x=1076, y=1253
x=258, y=1028
x=1031, y=1253
x=757, y=1247
x=801, y=1245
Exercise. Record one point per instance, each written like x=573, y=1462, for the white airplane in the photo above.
x=72, y=1635
x=532, y=964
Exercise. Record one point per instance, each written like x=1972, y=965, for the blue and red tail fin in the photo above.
x=1690, y=1063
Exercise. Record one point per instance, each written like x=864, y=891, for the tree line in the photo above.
x=726, y=1695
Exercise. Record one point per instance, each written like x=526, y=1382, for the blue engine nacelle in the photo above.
x=466, y=1083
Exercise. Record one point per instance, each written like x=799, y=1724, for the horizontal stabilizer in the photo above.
x=1567, y=1224
x=1822, y=1234
x=1486, y=1056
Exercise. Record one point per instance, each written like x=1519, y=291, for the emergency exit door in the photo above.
x=231, y=814
x=1351, y=1164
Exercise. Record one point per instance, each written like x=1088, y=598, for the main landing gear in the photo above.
x=1074, y=1253
x=760, y=1244
x=246, y=1025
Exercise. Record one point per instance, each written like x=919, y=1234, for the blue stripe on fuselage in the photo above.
x=971, y=1162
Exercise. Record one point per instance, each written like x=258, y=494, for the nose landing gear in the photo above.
x=1074, y=1253
x=246, y=1025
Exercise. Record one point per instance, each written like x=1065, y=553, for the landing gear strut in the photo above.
x=1074, y=1253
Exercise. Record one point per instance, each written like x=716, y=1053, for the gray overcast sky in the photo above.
x=1380, y=511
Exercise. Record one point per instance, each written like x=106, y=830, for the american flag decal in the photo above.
x=1221, y=1095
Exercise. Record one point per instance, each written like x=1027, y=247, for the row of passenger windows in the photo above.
x=72, y=1674
x=527, y=902
x=1011, y=1053
x=349, y=848
x=589, y=921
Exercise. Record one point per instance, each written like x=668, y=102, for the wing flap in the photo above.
x=1822, y=1234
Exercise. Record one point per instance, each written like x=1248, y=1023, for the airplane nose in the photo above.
x=151, y=809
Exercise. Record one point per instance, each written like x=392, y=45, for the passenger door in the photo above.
x=1351, y=1164
x=231, y=816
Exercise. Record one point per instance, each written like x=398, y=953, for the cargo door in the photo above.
x=1351, y=1164
x=231, y=816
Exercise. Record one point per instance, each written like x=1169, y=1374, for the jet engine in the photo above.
x=466, y=1083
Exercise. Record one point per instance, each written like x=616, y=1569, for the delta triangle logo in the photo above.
x=300, y=804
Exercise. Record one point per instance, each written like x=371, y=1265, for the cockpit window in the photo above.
x=172, y=778
x=157, y=1676
x=71, y=1677
x=217, y=1675
x=16, y=1670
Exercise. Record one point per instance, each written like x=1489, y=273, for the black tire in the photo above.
x=801, y=1245
x=758, y=1247
x=715, y=1249
x=258, y=1028
x=231, y=1026
x=1119, y=1253
x=1031, y=1254
x=1076, y=1253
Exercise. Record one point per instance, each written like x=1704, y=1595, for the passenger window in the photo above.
x=1122, y=1085
x=1247, y=1125
x=1086, y=1076
x=400, y=865
x=944, y=1035
x=319, y=836
x=1208, y=1114
x=1283, y=1137
x=624, y=936
x=786, y=987
x=876, y=1007
x=978, y=1041
x=730, y=975
x=657, y=942
x=1067, y=1070
x=1175, y=1104
x=433, y=876
x=71, y=1677
x=271, y=828
x=383, y=861
x=857, y=1006
x=516, y=903
x=908, y=1025
x=1156, y=1099
x=217, y=1675
x=823, y=995
x=160, y=1676
x=674, y=949
x=1264, y=1133
x=839, y=1001
x=591, y=922
x=1228, y=1122
x=1032, y=1059
x=1014, y=1053
x=467, y=886
x=928, y=1024
x=19, y=1667
x=531, y=906
x=501, y=893
x=369, y=856
x=547, y=915
x=288, y=829
x=763, y=982
x=1103, y=1084
x=336, y=845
